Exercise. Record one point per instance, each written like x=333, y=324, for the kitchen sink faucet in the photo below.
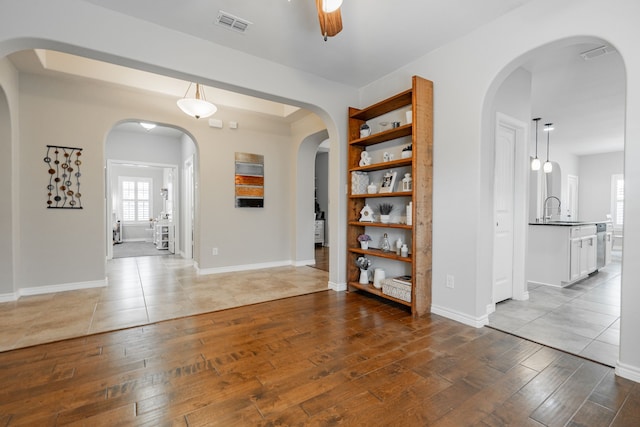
x=547, y=215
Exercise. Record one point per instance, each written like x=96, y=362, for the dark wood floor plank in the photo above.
x=592, y=414
x=629, y=413
x=488, y=399
x=558, y=409
x=612, y=391
x=320, y=359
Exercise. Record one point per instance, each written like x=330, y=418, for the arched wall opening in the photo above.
x=304, y=200
x=6, y=214
x=488, y=149
x=166, y=155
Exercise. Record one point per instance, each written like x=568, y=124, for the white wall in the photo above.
x=9, y=219
x=594, y=192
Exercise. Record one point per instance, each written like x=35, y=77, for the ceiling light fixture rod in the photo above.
x=548, y=166
x=535, y=163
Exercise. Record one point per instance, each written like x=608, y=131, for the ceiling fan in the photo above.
x=330, y=17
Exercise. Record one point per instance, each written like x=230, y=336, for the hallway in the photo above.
x=582, y=319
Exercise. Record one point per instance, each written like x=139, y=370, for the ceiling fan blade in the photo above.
x=330, y=23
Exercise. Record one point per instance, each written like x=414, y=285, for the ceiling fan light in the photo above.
x=329, y=6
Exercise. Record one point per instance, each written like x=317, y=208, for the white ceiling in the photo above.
x=376, y=36
x=585, y=99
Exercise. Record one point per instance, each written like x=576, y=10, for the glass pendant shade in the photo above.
x=197, y=107
x=535, y=164
x=548, y=167
x=329, y=6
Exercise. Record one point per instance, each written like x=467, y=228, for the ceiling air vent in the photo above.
x=231, y=22
x=599, y=51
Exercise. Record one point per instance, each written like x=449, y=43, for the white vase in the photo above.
x=364, y=277
x=364, y=245
x=385, y=219
x=378, y=277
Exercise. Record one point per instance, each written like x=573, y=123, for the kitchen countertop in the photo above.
x=569, y=223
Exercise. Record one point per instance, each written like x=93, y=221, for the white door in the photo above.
x=503, y=213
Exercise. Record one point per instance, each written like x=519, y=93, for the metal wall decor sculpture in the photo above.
x=63, y=191
x=249, y=180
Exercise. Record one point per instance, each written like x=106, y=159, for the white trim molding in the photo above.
x=476, y=322
x=338, y=287
x=627, y=371
x=304, y=263
x=63, y=287
x=243, y=267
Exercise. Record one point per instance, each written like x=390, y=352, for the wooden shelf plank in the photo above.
x=394, y=194
x=393, y=103
x=378, y=253
x=383, y=165
x=387, y=135
x=369, y=288
x=379, y=224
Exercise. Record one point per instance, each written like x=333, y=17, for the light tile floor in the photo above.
x=145, y=290
x=582, y=319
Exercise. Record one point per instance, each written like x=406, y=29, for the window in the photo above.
x=135, y=199
x=617, y=199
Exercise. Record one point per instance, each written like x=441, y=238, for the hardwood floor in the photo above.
x=322, y=258
x=322, y=359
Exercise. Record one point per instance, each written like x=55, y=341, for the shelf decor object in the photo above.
x=416, y=104
x=249, y=180
x=63, y=190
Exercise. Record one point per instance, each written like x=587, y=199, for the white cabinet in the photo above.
x=318, y=232
x=561, y=255
x=583, y=257
x=164, y=237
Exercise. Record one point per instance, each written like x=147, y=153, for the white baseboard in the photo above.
x=243, y=267
x=8, y=297
x=338, y=287
x=476, y=322
x=63, y=287
x=304, y=263
x=627, y=371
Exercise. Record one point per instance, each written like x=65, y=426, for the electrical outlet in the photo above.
x=214, y=251
x=449, y=281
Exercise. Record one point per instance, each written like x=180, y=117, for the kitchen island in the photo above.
x=561, y=253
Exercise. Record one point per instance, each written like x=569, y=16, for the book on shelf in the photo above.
x=403, y=279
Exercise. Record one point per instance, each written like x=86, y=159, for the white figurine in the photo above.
x=365, y=159
x=366, y=214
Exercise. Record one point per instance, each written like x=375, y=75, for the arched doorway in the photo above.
x=159, y=161
x=6, y=218
x=564, y=89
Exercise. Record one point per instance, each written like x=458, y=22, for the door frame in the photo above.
x=109, y=199
x=189, y=206
x=520, y=204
